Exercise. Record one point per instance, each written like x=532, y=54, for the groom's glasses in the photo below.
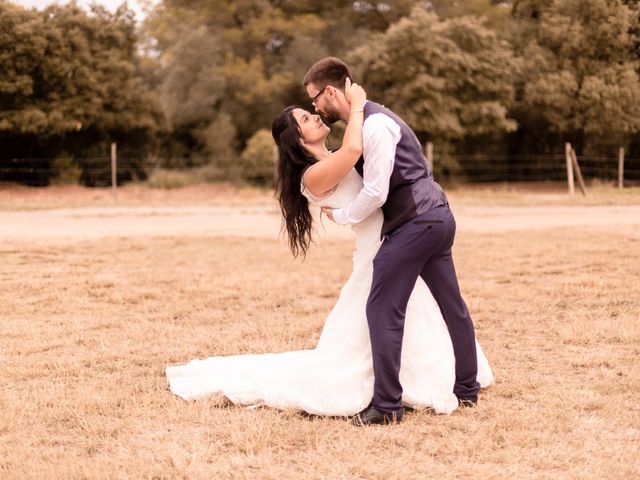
x=313, y=100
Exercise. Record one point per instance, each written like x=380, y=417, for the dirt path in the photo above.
x=256, y=221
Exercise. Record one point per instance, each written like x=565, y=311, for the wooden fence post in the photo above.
x=567, y=154
x=429, y=155
x=114, y=170
x=621, y=167
x=576, y=168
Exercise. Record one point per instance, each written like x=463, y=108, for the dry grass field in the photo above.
x=88, y=326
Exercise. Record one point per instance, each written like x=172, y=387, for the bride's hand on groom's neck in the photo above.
x=355, y=95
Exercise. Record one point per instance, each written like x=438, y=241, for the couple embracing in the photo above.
x=400, y=334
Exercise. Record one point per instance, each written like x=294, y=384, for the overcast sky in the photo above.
x=110, y=4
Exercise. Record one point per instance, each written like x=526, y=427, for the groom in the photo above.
x=417, y=232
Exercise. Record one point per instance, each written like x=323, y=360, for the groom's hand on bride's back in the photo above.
x=328, y=211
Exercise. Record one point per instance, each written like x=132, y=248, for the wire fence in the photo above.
x=518, y=168
x=472, y=168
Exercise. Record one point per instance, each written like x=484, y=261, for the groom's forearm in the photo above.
x=380, y=135
x=367, y=201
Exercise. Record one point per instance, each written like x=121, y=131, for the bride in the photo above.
x=336, y=377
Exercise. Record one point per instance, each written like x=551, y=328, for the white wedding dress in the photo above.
x=336, y=378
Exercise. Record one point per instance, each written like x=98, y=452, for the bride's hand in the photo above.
x=354, y=94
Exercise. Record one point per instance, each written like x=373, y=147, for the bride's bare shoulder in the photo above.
x=308, y=187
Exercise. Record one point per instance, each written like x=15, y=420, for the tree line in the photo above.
x=197, y=83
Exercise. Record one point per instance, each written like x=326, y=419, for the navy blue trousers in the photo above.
x=420, y=247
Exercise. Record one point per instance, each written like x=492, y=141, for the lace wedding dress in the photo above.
x=336, y=377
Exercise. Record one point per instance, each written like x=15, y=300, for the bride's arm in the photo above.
x=326, y=174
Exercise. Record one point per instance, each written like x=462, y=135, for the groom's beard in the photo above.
x=331, y=116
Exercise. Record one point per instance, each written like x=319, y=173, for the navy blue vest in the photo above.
x=412, y=189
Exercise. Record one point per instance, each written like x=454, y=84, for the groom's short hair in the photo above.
x=328, y=71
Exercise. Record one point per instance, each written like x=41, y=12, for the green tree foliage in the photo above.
x=465, y=73
x=240, y=62
x=473, y=76
x=22, y=47
x=192, y=90
x=69, y=83
x=257, y=158
x=494, y=12
x=449, y=79
x=579, y=80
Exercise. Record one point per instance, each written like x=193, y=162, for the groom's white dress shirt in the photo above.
x=380, y=135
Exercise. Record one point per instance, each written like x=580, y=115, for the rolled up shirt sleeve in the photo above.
x=380, y=135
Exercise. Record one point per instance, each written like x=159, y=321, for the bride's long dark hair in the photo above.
x=293, y=160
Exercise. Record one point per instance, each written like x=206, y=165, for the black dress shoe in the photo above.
x=372, y=416
x=467, y=402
